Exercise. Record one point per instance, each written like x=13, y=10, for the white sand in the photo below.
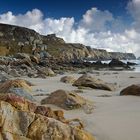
x=114, y=118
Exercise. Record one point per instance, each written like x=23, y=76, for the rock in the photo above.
x=99, y=62
x=117, y=63
x=34, y=59
x=131, y=64
x=18, y=83
x=65, y=99
x=10, y=136
x=27, y=62
x=17, y=124
x=23, y=104
x=24, y=61
x=25, y=67
x=47, y=128
x=23, y=93
x=68, y=79
x=2, y=67
x=4, y=77
x=91, y=82
x=14, y=73
x=40, y=75
x=17, y=87
x=131, y=90
x=48, y=112
x=31, y=75
x=88, y=107
x=46, y=71
x=18, y=102
x=14, y=121
x=21, y=56
x=43, y=63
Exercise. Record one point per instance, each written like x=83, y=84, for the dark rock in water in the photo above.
x=131, y=64
x=131, y=90
x=99, y=62
x=117, y=63
x=91, y=82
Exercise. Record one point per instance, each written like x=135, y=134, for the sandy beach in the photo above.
x=114, y=117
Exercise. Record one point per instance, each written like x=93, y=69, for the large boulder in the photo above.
x=65, y=99
x=89, y=81
x=18, y=124
x=47, y=128
x=131, y=90
x=68, y=79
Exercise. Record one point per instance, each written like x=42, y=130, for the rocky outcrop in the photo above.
x=91, y=82
x=18, y=124
x=131, y=90
x=14, y=39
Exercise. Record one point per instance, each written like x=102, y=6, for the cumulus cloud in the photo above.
x=95, y=29
x=95, y=20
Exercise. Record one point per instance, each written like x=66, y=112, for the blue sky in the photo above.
x=64, y=8
x=113, y=25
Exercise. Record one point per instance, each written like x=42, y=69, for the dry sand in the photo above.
x=114, y=118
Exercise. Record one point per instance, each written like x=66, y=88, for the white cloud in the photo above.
x=95, y=29
x=134, y=9
x=96, y=20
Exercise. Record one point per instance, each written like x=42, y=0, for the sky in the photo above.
x=113, y=25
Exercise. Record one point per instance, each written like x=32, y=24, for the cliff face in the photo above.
x=15, y=39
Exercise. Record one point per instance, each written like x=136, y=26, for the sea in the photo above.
x=136, y=67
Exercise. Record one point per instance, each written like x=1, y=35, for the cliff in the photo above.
x=15, y=39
